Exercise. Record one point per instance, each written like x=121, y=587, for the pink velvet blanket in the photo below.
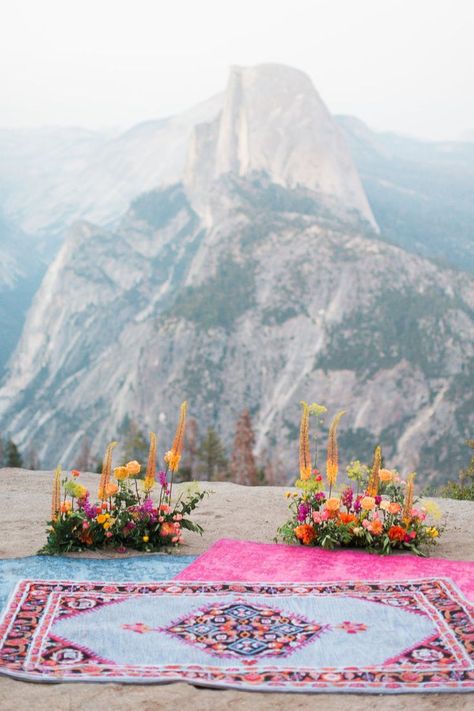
x=233, y=560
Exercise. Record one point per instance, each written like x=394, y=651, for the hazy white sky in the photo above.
x=404, y=65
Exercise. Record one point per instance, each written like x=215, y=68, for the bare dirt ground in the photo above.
x=232, y=512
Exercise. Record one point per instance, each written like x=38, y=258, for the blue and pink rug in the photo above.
x=369, y=637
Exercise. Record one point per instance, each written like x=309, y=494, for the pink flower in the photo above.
x=366, y=523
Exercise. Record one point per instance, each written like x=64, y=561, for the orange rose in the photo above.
x=396, y=533
x=121, y=473
x=133, y=467
x=332, y=504
x=368, y=503
x=167, y=529
x=394, y=508
x=385, y=476
x=111, y=490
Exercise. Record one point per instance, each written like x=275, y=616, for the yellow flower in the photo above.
x=133, y=467
x=368, y=503
x=107, y=525
x=332, y=504
x=121, y=473
x=433, y=532
x=385, y=476
x=145, y=539
x=101, y=518
x=288, y=494
x=432, y=509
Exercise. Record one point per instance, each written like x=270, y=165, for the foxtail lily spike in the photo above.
x=332, y=460
x=56, y=498
x=149, y=482
x=408, y=503
x=374, y=479
x=305, y=454
x=106, y=469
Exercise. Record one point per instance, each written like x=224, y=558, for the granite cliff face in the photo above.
x=256, y=280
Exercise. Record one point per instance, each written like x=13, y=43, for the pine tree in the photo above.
x=212, y=461
x=84, y=460
x=32, y=459
x=468, y=472
x=243, y=466
x=13, y=457
x=187, y=469
x=135, y=445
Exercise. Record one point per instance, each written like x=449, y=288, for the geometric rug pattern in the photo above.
x=349, y=636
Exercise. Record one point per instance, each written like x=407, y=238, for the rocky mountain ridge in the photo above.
x=256, y=279
x=279, y=300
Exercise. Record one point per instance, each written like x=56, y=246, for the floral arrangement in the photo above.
x=125, y=515
x=376, y=511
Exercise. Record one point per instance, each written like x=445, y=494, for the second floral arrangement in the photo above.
x=132, y=510
x=377, y=511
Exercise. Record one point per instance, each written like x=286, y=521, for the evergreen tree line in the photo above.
x=205, y=457
x=9, y=453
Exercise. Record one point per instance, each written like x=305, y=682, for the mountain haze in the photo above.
x=255, y=276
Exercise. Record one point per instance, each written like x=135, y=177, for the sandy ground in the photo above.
x=233, y=512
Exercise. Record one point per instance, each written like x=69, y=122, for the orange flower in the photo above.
x=120, y=473
x=305, y=533
x=332, y=504
x=376, y=527
x=385, y=476
x=111, y=490
x=368, y=503
x=346, y=518
x=167, y=529
x=305, y=456
x=101, y=518
x=106, y=468
x=396, y=533
x=56, y=498
x=65, y=506
x=133, y=467
x=172, y=459
x=332, y=457
x=394, y=508
x=75, y=472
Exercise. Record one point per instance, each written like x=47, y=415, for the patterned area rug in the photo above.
x=385, y=637
x=230, y=559
x=52, y=567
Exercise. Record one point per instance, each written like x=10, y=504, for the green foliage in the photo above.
x=135, y=445
x=462, y=489
x=358, y=473
x=212, y=460
x=219, y=301
x=158, y=207
x=403, y=325
x=12, y=456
